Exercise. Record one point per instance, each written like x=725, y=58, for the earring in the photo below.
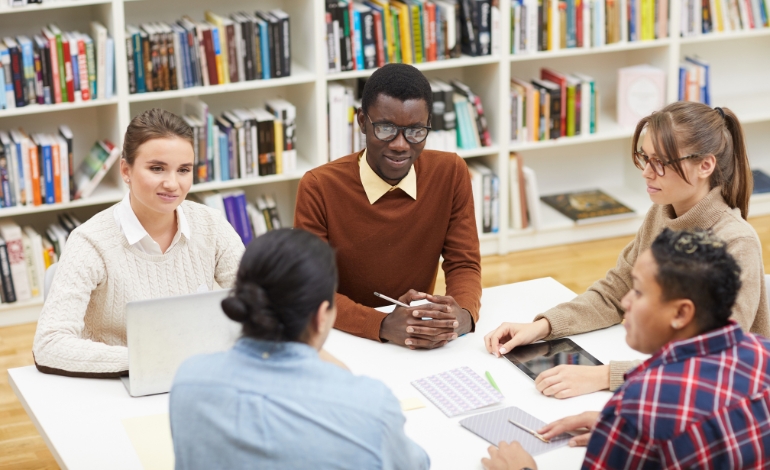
x=675, y=325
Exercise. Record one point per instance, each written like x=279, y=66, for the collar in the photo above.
x=375, y=187
x=704, y=214
x=278, y=350
x=705, y=344
x=133, y=229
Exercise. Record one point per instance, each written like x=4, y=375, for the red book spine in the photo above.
x=17, y=75
x=378, y=38
x=68, y=70
x=579, y=21
x=56, y=85
x=85, y=92
x=211, y=60
x=432, y=52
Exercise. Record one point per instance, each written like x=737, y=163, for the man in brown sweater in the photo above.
x=390, y=211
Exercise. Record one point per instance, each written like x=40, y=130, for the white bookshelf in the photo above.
x=740, y=70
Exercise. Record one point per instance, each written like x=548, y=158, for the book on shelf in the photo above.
x=214, y=51
x=57, y=67
x=367, y=34
x=641, y=91
x=553, y=106
x=547, y=25
x=524, y=202
x=761, y=181
x=695, y=80
x=94, y=167
x=589, y=206
x=718, y=16
x=485, y=186
x=249, y=219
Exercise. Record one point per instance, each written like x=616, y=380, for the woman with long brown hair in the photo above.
x=694, y=161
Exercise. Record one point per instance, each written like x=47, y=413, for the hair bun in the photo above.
x=247, y=302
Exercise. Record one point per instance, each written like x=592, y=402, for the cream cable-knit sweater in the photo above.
x=599, y=307
x=82, y=327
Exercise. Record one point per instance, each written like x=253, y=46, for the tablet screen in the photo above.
x=535, y=358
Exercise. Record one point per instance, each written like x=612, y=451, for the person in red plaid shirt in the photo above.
x=703, y=399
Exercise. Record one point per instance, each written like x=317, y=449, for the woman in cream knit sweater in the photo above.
x=693, y=159
x=152, y=244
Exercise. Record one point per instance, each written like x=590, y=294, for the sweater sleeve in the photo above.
x=310, y=215
x=462, y=259
x=598, y=307
x=229, y=252
x=750, y=309
x=59, y=346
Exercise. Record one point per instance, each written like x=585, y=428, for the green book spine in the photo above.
x=417, y=34
x=571, y=110
x=91, y=61
x=62, y=74
x=396, y=36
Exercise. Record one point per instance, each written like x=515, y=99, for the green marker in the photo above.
x=492, y=381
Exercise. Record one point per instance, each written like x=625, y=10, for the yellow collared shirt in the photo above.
x=375, y=187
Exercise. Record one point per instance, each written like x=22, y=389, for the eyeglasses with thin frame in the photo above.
x=658, y=166
x=387, y=132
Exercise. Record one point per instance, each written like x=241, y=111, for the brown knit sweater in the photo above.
x=599, y=307
x=394, y=245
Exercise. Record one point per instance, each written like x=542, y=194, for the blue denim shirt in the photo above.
x=278, y=406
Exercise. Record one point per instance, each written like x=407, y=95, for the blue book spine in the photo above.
x=359, y=46
x=20, y=166
x=243, y=219
x=230, y=213
x=7, y=199
x=8, y=80
x=232, y=158
x=109, y=83
x=185, y=55
x=210, y=145
x=571, y=27
x=264, y=44
x=682, y=82
x=440, y=36
x=75, y=68
x=48, y=170
x=224, y=157
x=141, y=87
x=632, y=20
x=28, y=60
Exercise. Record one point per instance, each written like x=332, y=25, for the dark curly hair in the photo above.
x=694, y=264
x=400, y=81
x=283, y=278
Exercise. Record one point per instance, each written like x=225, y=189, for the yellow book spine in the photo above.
x=648, y=20
x=417, y=34
x=278, y=146
x=536, y=116
x=718, y=19
x=224, y=54
x=406, y=35
x=389, y=32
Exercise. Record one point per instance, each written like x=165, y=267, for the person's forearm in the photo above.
x=357, y=319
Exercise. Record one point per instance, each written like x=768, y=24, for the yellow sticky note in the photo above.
x=413, y=403
x=151, y=438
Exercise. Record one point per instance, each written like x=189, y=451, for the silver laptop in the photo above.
x=163, y=332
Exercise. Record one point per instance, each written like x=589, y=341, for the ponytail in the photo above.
x=738, y=191
x=694, y=128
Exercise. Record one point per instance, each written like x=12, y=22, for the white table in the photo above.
x=80, y=419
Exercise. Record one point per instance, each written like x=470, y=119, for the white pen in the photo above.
x=399, y=303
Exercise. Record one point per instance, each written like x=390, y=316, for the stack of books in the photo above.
x=723, y=15
x=524, y=203
x=547, y=25
x=242, y=143
x=458, y=121
x=25, y=255
x=372, y=33
x=553, y=106
x=486, y=197
x=248, y=219
x=39, y=168
x=217, y=50
x=56, y=67
x=695, y=80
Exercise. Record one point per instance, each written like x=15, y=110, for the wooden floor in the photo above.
x=576, y=266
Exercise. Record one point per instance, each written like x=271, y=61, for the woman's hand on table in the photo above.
x=565, y=381
x=582, y=424
x=508, y=457
x=509, y=335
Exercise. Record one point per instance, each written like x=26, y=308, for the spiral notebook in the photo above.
x=458, y=391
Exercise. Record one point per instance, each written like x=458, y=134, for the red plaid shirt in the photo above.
x=699, y=403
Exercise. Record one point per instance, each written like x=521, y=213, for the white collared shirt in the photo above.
x=135, y=233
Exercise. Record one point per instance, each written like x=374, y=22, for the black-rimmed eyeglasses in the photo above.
x=658, y=166
x=387, y=131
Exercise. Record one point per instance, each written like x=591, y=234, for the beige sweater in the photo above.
x=599, y=307
x=82, y=327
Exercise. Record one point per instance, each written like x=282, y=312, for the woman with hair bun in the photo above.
x=151, y=244
x=271, y=402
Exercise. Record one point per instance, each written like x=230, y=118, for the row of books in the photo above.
x=249, y=219
x=217, y=50
x=57, y=67
x=39, y=168
x=485, y=186
x=25, y=254
x=546, y=25
x=555, y=105
x=708, y=16
x=242, y=143
x=371, y=33
x=695, y=80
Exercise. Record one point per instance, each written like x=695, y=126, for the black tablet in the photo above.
x=535, y=358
